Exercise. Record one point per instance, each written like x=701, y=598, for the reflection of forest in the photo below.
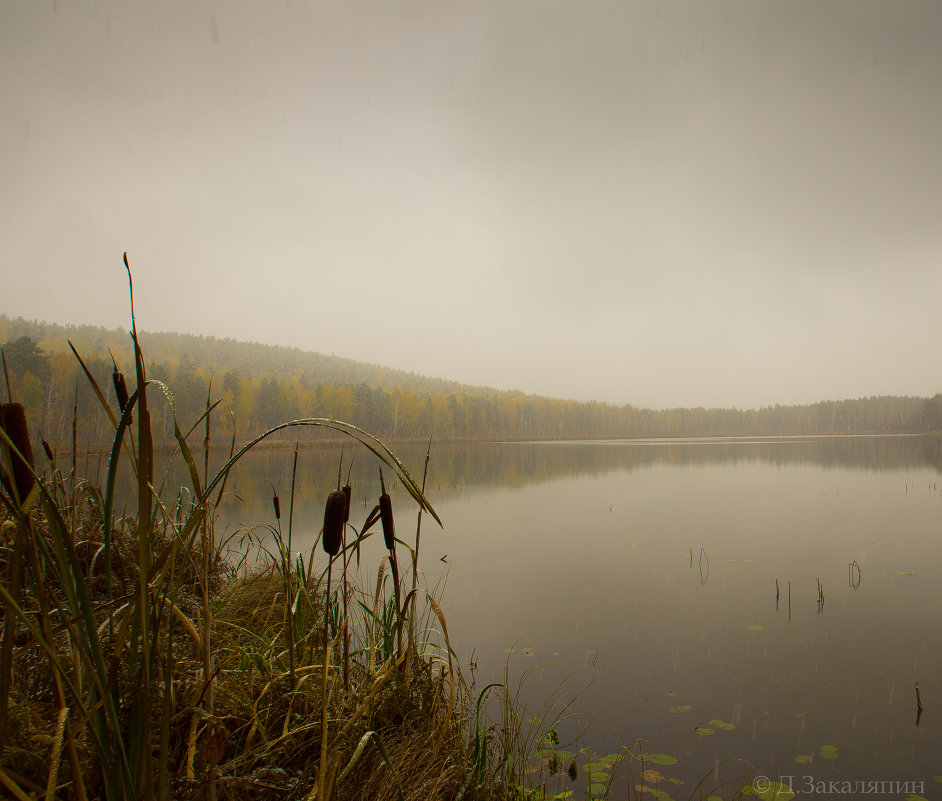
x=462, y=468
x=263, y=386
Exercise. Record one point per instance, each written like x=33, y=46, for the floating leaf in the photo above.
x=756, y=628
x=803, y=759
x=732, y=560
x=721, y=725
x=529, y=651
x=672, y=693
x=657, y=759
x=914, y=797
x=908, y=572
x=652, y=791
x=676, y=782
x=549, y=753
x=937, y=779
x=651, y=775
x=776, y=791
x=563, y=795
x=677, y=709
x=714, y=798
x=828, y=752
x=703, y=731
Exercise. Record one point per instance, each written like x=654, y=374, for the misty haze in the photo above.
x=516, y=400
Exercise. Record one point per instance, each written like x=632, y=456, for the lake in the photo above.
x=653, y=566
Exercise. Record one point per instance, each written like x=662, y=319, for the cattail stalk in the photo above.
x=289, y=569
x=347, y=491
x=415, y=558
x=208, y=548
x=334, y=511
x=389, y=537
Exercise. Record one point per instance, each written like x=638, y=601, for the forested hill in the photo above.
x=264, y=385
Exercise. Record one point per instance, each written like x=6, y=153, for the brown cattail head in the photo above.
x=386, y=517
x=47, y=449
x=333, y=521
x=120, y=390
x=276, y=503
x=348, y=494
x=14, y=423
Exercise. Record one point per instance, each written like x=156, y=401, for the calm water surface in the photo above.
x=653, y=564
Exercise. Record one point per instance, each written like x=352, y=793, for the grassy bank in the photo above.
x=136, y=662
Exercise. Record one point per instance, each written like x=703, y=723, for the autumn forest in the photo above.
x=265, y=385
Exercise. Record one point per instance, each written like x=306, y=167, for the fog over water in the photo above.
x=720, y=203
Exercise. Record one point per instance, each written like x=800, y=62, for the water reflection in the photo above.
x=701, y=581
x=459, y=468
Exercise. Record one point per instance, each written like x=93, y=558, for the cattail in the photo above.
x=348, y=494
x=14, y=423
x=386, y=516
x=120, y=390
x=47, y=449
x=333, y=521
x=276, y=503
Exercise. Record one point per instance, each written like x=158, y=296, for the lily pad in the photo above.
x=756, y=628
x=679, y=708
x=937, y=779
x=652, y=791
x=775, y=791
x=703, y=731
x=651, y=775
x=828, y=752
x=804, y=759
x=908, y=573
x=721, y=725
x=657, y=759
x=914, y=797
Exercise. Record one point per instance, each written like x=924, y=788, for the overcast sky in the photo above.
x=663, y=203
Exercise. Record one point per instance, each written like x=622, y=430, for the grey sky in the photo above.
x=711, y=202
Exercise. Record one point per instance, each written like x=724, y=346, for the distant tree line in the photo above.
x=265, y=385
